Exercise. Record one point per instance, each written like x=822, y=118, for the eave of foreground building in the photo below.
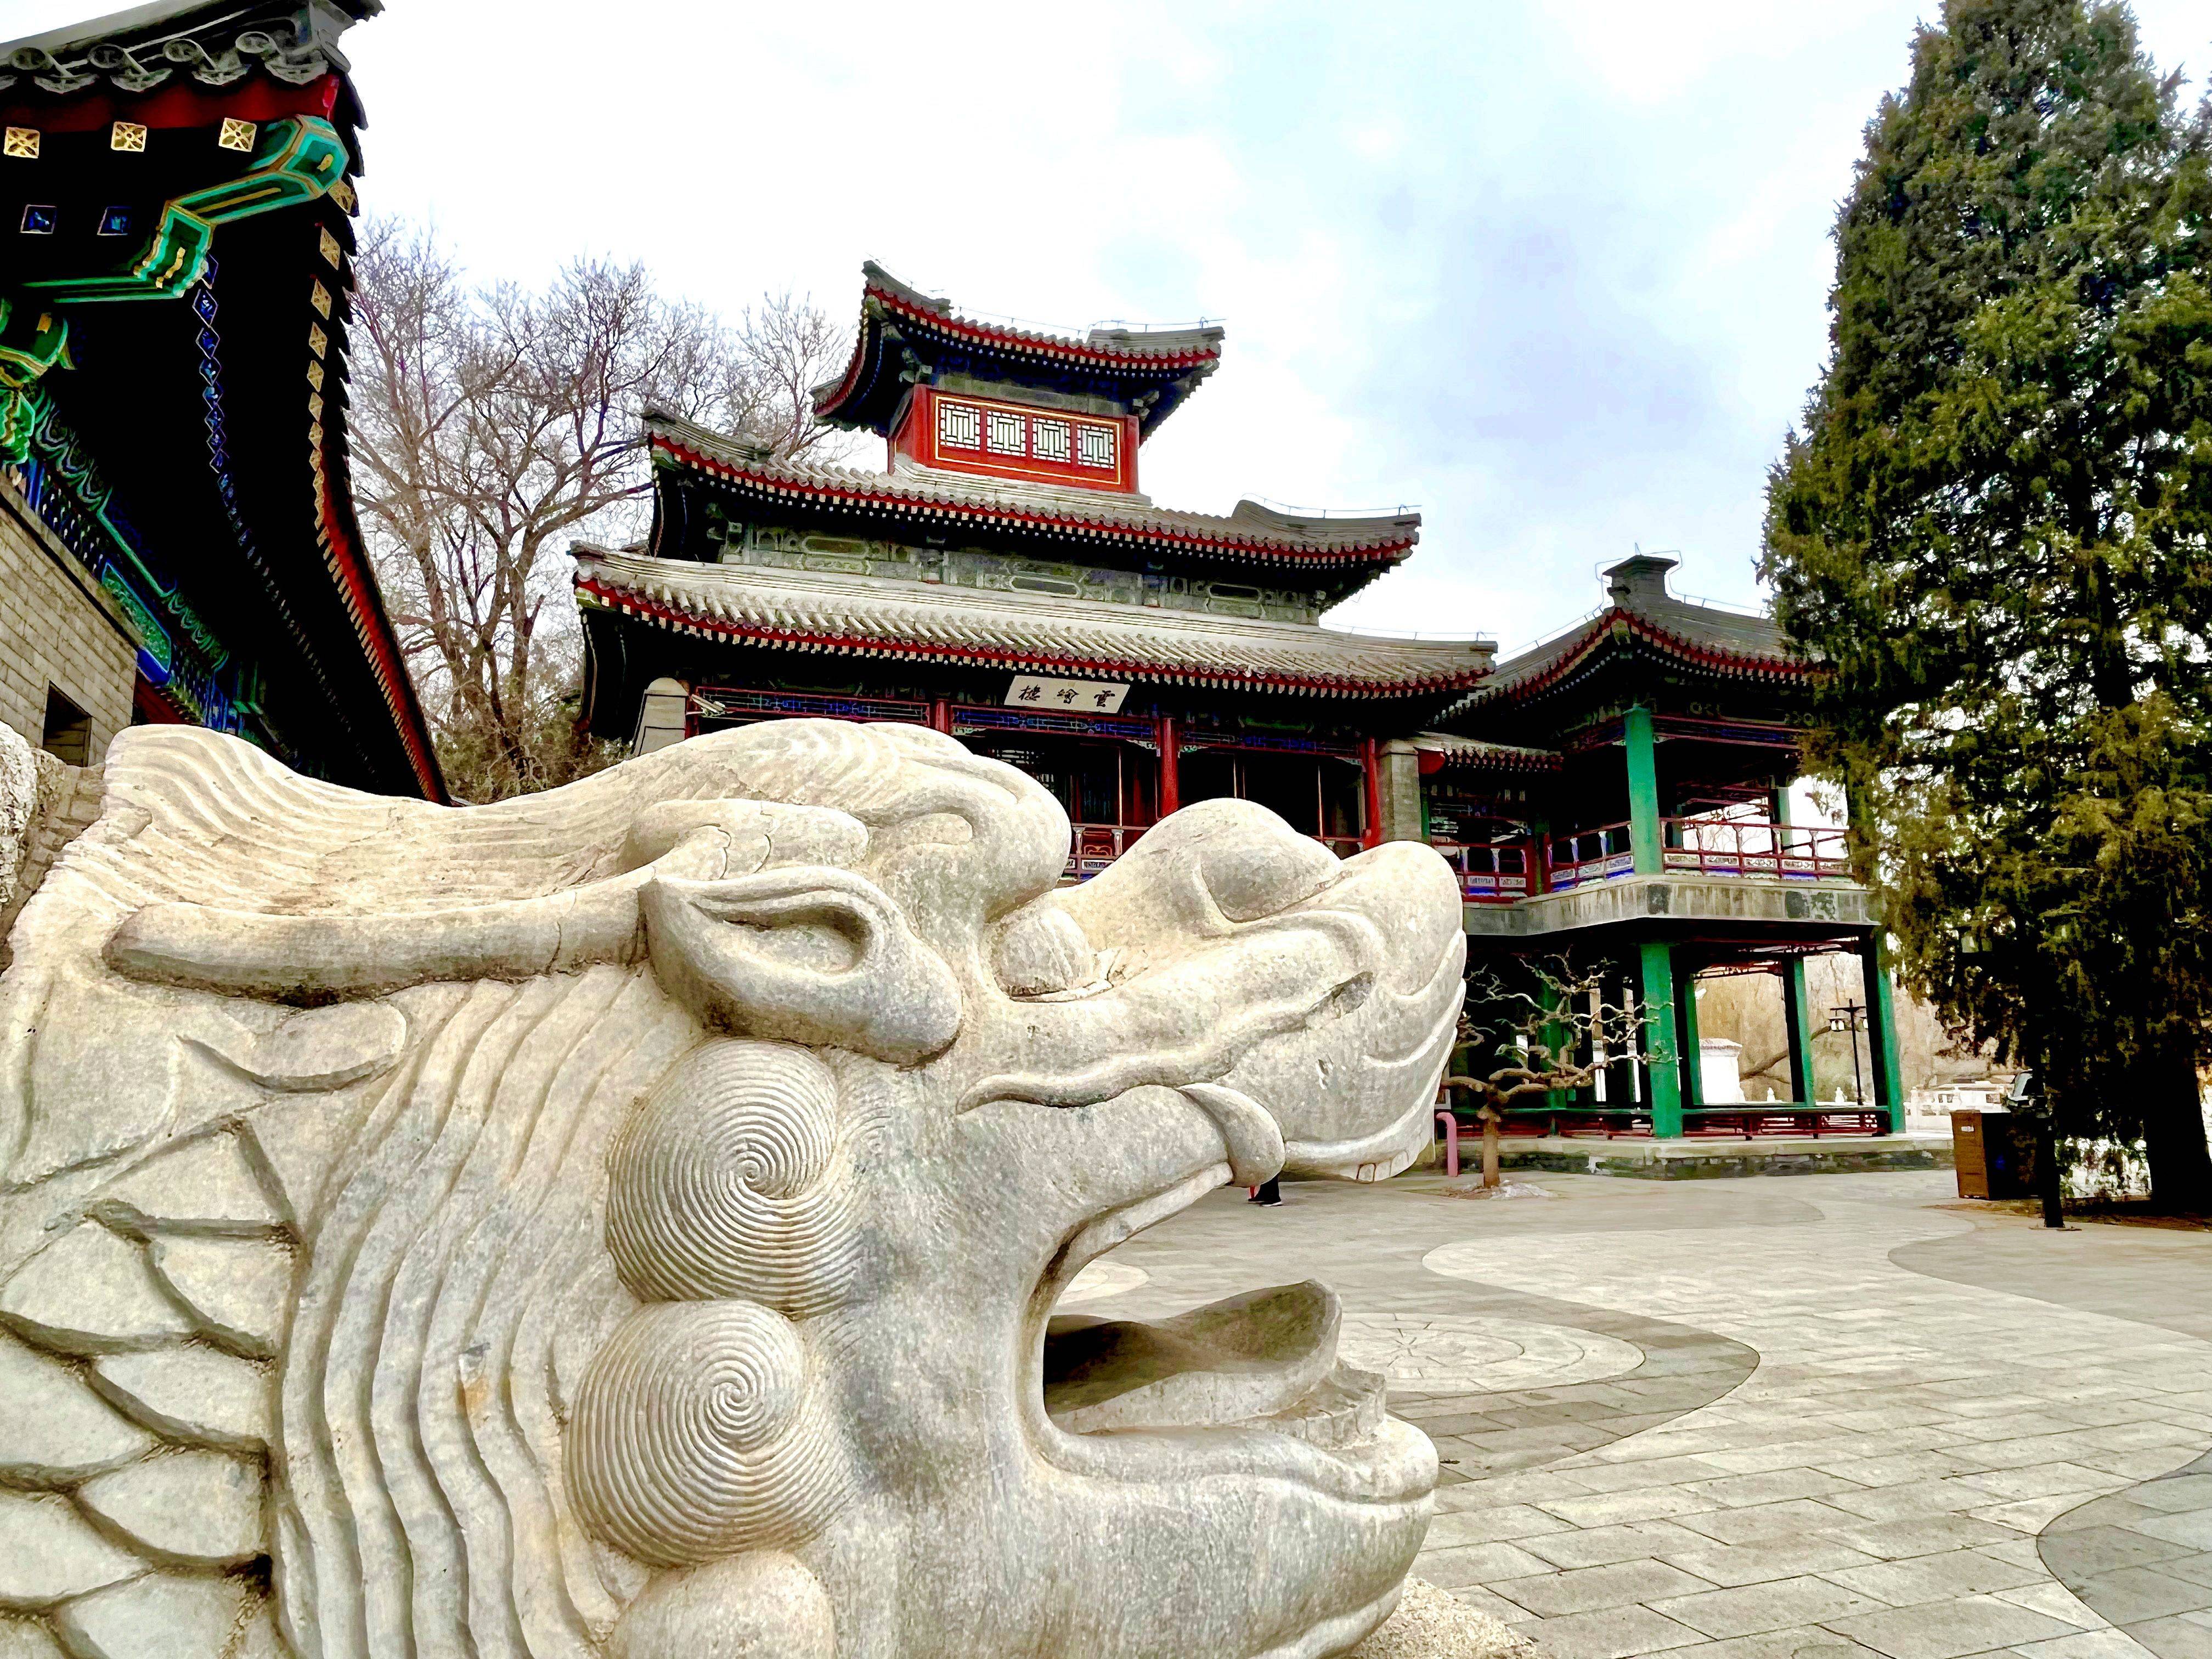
x=868, y=616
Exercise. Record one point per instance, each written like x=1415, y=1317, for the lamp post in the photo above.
x=1850, y=1018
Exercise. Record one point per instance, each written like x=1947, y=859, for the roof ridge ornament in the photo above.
x=207, y=69
x=293, y=42
x=118, y=64
x=47, y=71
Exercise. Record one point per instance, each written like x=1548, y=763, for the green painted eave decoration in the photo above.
x=58, y=448
x=31, y=341
x=152, y=638
x=299, y=160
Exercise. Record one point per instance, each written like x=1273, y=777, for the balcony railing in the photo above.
x=1584, y=856
x=1763, y=1122
x=1490, y=872
x=1500, y=873
x=1093, y=847
x=1756, y=849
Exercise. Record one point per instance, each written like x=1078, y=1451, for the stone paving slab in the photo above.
x=1813, y=1450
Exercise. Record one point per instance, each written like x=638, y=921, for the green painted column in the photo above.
x=1797, y=1021
x=1881, y=1031
x=1645, y=838
x=1685, y=1026
x=1662, y=1064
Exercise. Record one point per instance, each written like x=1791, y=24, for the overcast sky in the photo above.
x=1552, y=272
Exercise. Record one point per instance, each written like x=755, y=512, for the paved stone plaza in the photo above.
x=1768, y=1419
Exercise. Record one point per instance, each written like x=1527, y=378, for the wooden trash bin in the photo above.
x=1993, y=1154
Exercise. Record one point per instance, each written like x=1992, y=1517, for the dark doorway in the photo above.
x=68, y=730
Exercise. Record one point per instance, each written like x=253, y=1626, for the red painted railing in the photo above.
x=1749, y=848
x=1756, y=848
x=1490, y=872
x=1584, y=856
x=1093, y=847
x=1770, y=1122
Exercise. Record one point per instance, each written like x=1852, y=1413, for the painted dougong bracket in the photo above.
x=30, y=343
x=300, y=160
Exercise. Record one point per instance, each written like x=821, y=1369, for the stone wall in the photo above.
x=57, y=630
x=67, y=802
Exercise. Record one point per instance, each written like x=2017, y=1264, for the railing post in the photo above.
x=1170, y=767
x=1645, y=833
x=1686, y=1025
x=1882, y=1030
x=1797, y=1021
x=1370, y=767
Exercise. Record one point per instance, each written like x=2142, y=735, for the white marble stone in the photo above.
x=1720, y=1065
x=630, y=1218
x=157, y=1617
x=28, y=1639
x=91, y=1290
x=54, y=1429
x=193, y=1395
x=205, y=1186
x=49, y=1552
x=190, y=1508
x=237, y=1289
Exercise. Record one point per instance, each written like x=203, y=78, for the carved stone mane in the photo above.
x=628, y=1220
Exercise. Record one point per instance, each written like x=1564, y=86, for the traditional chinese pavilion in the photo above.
x=176, y=525
x=1619, y=793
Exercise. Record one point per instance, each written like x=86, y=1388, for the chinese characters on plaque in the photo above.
x=1077, y=696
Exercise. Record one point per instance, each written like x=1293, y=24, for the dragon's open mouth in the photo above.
x=1361, y=992
x=1266, y=1359
x=1261, y=1363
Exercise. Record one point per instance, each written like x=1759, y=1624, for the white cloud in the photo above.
x=1556, y=272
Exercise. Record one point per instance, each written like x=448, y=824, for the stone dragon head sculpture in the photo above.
x=629, y=1220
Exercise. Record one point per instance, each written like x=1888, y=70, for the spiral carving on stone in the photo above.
x=696, y=1436
x=731, y=1181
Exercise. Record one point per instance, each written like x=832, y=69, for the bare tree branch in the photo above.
x=1558, y=1037
x=492, y=426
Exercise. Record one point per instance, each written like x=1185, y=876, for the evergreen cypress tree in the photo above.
x=1996, y=527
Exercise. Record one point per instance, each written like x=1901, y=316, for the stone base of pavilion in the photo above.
x=1694, y=1157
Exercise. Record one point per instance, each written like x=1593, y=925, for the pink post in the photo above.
x=1451, y=1141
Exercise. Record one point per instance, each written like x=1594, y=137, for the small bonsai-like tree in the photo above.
x=1553, y=1030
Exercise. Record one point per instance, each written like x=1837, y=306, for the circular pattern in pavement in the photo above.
x=1478, y=1353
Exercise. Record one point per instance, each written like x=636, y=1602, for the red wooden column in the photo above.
x=1170, y=767
x=940, y=715
x=1371, y=765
